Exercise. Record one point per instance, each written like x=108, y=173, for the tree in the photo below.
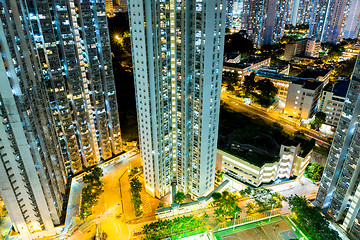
x=163, y=228
x=227, y=206
x=267, y=92
x=93, y=176
x=179, y=197
x=90, y=194
x=249, y=83
x=320, y=118
x=250, y=207
x=314, y=171
x=238, y=43
x=216, y=196
x=311, y=220
x=219, y=175
x=135, y=189
x=230, y=78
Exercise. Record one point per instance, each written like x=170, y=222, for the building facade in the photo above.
x=57, y=102
x=177, y=58
x=327, y=20
x=332, y=100
x=229, y=12
x=301, y=10
x=264, y=21
x=302, y=98
x=351, y=24
x=339, y=189
x=246, y=66
x=292, y=162
x=303, y=48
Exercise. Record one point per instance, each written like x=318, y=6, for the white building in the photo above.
x=332, y=100
x=177, y=55
x=292, y=162
x=302, y=98
x=304, y=47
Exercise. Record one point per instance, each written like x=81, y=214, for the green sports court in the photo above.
x=277, y=228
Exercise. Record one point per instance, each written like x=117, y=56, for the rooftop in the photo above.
x=339, y=88
x=253, y=158
x=278, y=76
x=290, y=142
x=308, y=84
x=314, y=73
x=246, y=62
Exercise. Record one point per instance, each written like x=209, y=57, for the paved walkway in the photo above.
x=107, y=214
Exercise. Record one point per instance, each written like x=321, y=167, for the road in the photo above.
x=107, y=215
x=269, y=117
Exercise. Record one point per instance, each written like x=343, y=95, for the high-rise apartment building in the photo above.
x=351, y=25
x=339, y=189
x=109, y=5
x=58, y=108
x=177, y=55
x=300, y=12
x=327, y=20
x=264, y=21
x=229, y=12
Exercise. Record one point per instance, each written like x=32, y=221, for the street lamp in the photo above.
x=234, y=221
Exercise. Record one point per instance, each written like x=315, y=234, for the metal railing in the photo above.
x=254, y=218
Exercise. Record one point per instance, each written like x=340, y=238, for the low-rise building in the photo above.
x=280, y=81
x=232, y=57
x=291, y=163
x=246, y=65
x=320, y=74
x=302, y=98
x=302, y=48
x=332, y=100
x=282, y=69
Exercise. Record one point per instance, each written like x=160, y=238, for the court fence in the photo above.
x=249, y=219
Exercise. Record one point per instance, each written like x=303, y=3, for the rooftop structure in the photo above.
x=284, y=69
x=320, y=74
x=280, y=81
x=247, y=65
x=292, y=162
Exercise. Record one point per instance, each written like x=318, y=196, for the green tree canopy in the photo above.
x=320, y=118
x=216, y=196
x=230, y=78
x=93, y=176
x=314, y=171
x=227, y=206
x=310, y=219
x=249, y=83
x=267, y=92
x=179, y=197
x=90, y=194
